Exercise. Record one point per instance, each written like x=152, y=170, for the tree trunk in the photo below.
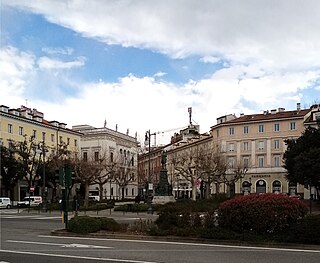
x=86, y=195
x=101, y=191
x=194, y=192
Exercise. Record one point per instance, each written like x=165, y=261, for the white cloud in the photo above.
x=210, y=59
x=270, y=51
x=16, y=70
x=47, y=63
x=160, y=74
x=275, y=34
x=58, y=50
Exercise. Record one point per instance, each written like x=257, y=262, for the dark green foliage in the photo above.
x=87, y=224
x=84, y=224
x=109, y=224
x=302, y=158
x=267, y=213
x=304, y=231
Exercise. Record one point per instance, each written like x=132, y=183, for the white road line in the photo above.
x=76, y=257
x=57, y=244
x=32, y=217
x=190, y=244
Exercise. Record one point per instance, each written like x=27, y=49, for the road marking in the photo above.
x=76, y=257
x=56, y=244
x=32, y=217
x=190, y=244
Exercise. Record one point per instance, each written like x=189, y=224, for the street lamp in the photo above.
x=44, y=189
x=150, y=185
x=1, y=143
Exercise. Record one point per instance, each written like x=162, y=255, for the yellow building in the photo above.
x=15, y=124
x=256, y=142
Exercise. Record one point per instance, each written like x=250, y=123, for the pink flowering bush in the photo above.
x=264, y=213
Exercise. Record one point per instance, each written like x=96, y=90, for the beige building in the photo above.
x=115, y=148
x=256, y=142
x=185, y=185
x=15, y=124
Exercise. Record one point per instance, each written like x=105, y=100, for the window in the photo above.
x=34, y=133
x=231, y=147
x=260, y=145
x=60, y=139
x=231, y=162
x=10, y=129
x=96, y=156
x=292, y=126
x=276, y=127
x=276, y=160
x=52, y=137
x=231, y=131
x=132, y=191
x=245, y=129
x=20, y=130
x=276, y=144
x=43, y=136
x=261, y=128
x=111, y=157
x=68, y=141
x=126, y=191
x=260, y=161
x=75, y=143
x=246, y=161
x=246, y=146
x=85, y=156
x=111, y=190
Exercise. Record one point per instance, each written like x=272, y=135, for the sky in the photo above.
x=140, y=64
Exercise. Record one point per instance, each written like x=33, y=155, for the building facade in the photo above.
x=115, y=148
x=18, y=124
x=257, y=142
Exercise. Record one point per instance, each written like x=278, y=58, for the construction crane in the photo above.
x=148, y=134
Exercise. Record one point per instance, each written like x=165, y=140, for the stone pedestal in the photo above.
x=162, y=199
x=163, y=192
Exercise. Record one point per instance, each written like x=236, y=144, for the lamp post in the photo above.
x=1, y=143
x=44, y=189
x=150, y=185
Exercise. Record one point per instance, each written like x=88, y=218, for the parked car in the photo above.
x=5, y=202
x=94, y=198
x=31, y=201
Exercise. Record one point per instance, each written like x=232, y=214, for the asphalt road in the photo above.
x=26, y=238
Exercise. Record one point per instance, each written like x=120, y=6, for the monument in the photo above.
x=163, y=191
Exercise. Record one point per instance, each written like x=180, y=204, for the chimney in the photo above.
x=298, y=106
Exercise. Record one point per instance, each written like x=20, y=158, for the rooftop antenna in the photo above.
x=190, y=115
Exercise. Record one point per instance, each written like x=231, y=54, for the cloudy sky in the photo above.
x=140, y=64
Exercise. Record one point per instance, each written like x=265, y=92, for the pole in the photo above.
x=149, y=175
x=44, y=192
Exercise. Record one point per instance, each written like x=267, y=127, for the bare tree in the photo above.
x=28, y=155
x=212, y=166
x=184, y=163
x=124, y=172
x=87, y=171
x=107, y=173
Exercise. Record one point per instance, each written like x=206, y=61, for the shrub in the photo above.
x=84, y=224
x=109, y=224
x=265, y=213
x=304, y=231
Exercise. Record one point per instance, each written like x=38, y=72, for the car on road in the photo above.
x=5, y=202
x=31, y=201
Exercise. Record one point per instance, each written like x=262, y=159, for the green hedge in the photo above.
x=87, y=224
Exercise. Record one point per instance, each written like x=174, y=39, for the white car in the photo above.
x=30, y=201
x=5, y=202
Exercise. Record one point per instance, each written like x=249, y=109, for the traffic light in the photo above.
x=68, y=173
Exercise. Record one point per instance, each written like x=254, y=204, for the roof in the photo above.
x=267, y=116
